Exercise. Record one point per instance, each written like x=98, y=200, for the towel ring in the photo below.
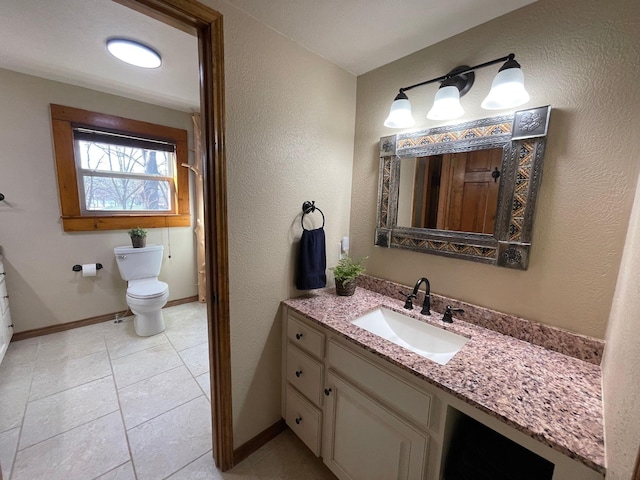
x=310, y=207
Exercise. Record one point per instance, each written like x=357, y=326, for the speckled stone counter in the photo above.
x=552, y=397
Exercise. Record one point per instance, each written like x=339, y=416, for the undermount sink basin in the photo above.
x=422, y=338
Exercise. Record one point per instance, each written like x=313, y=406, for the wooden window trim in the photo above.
x=62, y=121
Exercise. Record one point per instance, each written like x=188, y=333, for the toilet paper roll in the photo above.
x=89, y=270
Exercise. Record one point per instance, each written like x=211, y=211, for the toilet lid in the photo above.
x=146, y=288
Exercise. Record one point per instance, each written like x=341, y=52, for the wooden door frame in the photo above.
x=193, y=17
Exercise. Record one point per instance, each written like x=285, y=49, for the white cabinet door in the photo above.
x=364, y=441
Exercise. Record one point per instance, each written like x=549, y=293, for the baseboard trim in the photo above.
x=247, y=448
x=37, y=332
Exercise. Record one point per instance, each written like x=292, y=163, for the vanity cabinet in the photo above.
x=370, y=419
x=363, y=421
x=6, y=327
x=303, y=380
x=365, y=440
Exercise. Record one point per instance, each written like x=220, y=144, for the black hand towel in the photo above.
x=312, y=260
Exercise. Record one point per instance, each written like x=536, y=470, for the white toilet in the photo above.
x=146, y=295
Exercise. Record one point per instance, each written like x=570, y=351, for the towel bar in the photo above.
x=310, y=207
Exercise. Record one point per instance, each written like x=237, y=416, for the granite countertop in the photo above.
x=552, y=397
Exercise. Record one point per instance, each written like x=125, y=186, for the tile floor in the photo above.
x=99, y=402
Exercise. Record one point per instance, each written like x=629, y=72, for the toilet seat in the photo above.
x=146, y=288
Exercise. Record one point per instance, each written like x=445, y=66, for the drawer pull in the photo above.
x=6, y=296
x=10, y=326
x=298, y=420
x=298, y=336
x=298, y=373
x=327, y=391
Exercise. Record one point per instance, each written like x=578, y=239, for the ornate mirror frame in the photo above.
x=522, y=139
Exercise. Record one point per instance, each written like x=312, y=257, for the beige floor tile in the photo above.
x=13, y=401
x=122, y=339
x=196, y=359
x=23, y=352
x=17, y=374
x=156, y=395
x=286, y=458
x=169, y=442
x=55, y=414
x=71, y=344
x=204, y=468
x=8, y=447
x=205, y=383
x=184, y=315
x=188, y=335
x=63, y=374
x=83, y=453
x=123, y=472
x=138, y=366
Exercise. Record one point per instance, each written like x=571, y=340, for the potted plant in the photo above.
x=346, y=273
x=138, y=237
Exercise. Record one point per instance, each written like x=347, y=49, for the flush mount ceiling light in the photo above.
x=507, y=91
x=134, y=53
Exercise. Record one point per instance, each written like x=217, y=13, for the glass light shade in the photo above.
x=507, y=90
x=134, y=53
x=400, y=115
x=446, y=105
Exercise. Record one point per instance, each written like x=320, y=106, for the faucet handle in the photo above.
x=408, y=304
x=448, y=313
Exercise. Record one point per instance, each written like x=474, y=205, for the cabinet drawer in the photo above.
x=304, y=373
x=304, y=419
x=305, y=337
x=394, y=391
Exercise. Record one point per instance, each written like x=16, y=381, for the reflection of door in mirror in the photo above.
x=453, y=191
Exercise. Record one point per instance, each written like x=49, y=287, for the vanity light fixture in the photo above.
x=134, y=53
x=507, y=91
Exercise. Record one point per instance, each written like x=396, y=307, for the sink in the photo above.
x=422, y=338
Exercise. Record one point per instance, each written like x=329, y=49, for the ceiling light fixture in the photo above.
x=507, y=91
x=134, y=53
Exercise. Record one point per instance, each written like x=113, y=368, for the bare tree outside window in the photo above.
x=124, y=178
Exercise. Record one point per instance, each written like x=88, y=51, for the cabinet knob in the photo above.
x=6, y=296
x=10, y=326
x=298, y=336
x=298, y=420
x=298, y=373
x=327, y=391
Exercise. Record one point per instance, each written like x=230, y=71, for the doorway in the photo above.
x=191, y=16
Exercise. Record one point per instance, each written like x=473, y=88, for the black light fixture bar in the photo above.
x=454, y=74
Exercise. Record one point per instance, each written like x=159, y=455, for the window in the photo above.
x=116, y=173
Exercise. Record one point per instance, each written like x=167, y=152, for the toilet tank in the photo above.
x=138, y=263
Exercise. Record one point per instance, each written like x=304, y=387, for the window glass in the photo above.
x=124, y=178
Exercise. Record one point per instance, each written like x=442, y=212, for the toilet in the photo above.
x=146, y=295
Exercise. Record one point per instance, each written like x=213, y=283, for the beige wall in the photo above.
x=621, y=363
x=580, y=57
x=290, y=128
x=38, y=254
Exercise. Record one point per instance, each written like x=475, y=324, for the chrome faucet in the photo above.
x=426, y=306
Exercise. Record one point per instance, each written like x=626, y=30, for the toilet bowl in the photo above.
x=146, y=295
x=146, y=298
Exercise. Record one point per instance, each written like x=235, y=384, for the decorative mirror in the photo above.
x=465, y=191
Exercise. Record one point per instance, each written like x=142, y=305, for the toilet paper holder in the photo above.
x=78, y=268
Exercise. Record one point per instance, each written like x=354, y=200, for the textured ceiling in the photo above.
x=64, y=40
x=360, y=35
